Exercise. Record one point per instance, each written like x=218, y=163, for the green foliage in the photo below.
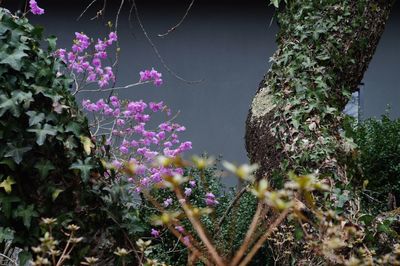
x=47, y=166
x=304, y=78
x=36, y=147
x=228, y=237
x=379, y=160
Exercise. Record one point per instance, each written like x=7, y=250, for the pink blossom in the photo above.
x=148, y=75
x=35, y=9
x=188, y=192
x=155, y=233
x=210, y=199
x=186, y=240
x=180, y=229
x=167, y=202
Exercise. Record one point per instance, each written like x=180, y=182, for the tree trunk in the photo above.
x=324, y=48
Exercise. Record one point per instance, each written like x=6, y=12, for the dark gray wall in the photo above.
x=225, y=43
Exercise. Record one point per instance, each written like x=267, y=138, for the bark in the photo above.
x=288, y=127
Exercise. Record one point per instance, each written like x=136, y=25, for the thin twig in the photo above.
x=8, y=258
x=86, y=9
x=264, y=238
x=117, y=17
x=199, y=229
x=250, y=233
x=180, y=22
x=231, y=205
x=155, y=49
x=118, y=88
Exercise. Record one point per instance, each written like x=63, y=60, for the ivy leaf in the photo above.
x=84, y=167
x=22, y=97
x=13, y=59
x=24, y=257
x=44, y=167
x=8, y=104
x=7, y=184
x=26, y=213
x=16, y=152
x=52, y=41
x=87, y=144
x=6, y=201
x=35, y=118
x=11, y=104
x=275, y=3
x=6, y=234
x=41, y=133
x=74, y=128
x=10, y=163
x=55, y=194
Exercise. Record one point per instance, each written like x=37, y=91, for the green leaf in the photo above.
x=6, y=202
x=8, y=104
x=275, y=3
x=35, y=118
x=24, y=257
x=12, y=104
x=7, y=184
x=10, y=163
x=44, y=167
x=55, y=194
x=52, y=41
x=26, y=213
x=87, y=144
x=74, y=128
x=42, y=133
x=16, y=152
x=13, y=59
x=6, y=234
x=84, y=167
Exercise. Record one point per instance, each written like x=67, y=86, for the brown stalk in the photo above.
x=264, y=238
x=250, y=233
x=199, y=229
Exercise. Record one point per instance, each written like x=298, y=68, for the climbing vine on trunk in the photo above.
x=324, y=48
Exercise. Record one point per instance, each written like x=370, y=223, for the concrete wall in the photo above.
x=227, y=44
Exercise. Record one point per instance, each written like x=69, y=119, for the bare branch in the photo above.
x=180, y=22
x=86, y=9
x=231, y=205
x=155, y=49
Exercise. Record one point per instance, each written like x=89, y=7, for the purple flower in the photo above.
x=188, y=192
x=112, y=37
x=192, y=183
x=186, y=241
x=210, y=199
x=100, y=46
x=120, y=122
x=155, y=233
x=180, y=229
x=155, y=107
x=153, y=75
x=140, y=169
x=123, y=149
x=187, y=145
x=117, y=164
x=167, y=202
x=35, y=9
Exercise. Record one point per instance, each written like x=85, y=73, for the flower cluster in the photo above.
x=89, y=65
x=136, y=148
x=153, y=75
x=210, y=199
x=35, y=9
